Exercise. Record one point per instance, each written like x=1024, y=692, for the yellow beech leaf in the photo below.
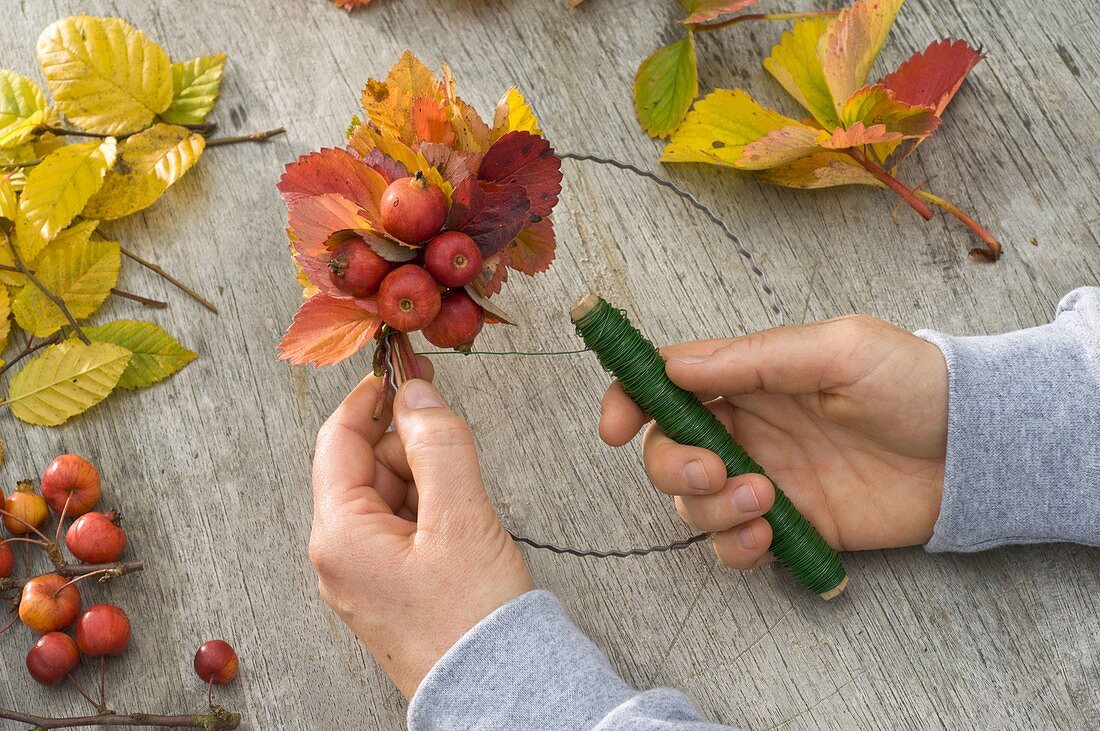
x=665, y=85
x=8, y=204
x=5, y=318
x=195, y=87
x=65, y=380
x=146, y=165
x=57, y=190
x=851, y=42
x=514, y=114
x=156, y=354
x=22, y=108
x=794, y=64
x=389, y=103
x=81, y=274
x=105, y=75
x=719, y=126
x=80, y=232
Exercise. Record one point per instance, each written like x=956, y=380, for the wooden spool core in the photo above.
x=584, y=304
x=836, y=590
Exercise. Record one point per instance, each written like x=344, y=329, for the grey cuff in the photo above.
x=1023, y=443
x=525, y=666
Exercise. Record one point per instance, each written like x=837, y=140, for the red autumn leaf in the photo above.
x=933, y=76
x=534, y=249
x=313, y=220
x=493, y=274
x=386, y=166
x=430, y=121
x=490, y=215
x=333, y=170
x=327, y=330
x=527, y=160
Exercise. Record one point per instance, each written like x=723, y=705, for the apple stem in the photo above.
x=61, y=518
x=83, y=694
x=17, y=519
x=88, y=575
x=992, y=252
x=20, y=539
x=9, y=625
x=102, y=683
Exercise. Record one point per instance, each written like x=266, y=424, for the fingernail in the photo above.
x=746, y=538
x=419, y=394
x=745, y=499
x=695, y=476
x=688, y=359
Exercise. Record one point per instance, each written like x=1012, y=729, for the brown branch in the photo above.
x=180, y=285
x=138, y=298
x=218, y=719
x=29, y=348
x=49, y=295
x=705, y=27
x=66, y=132
x=109, y=570
x=884, y=177
x=253, y=137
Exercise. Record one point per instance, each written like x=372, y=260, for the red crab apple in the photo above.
x=216, y=662
x=96, y=538
x=355, y=269
x=103, y=629
x=52, y=658
x=458, y=322
x=73, y=478
x=413, y=209
x=47, y=607
x=452, y=258
x=408, y=298
x=26, y=510
x=7, y=560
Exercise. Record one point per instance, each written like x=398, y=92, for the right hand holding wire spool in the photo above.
x=849, y=415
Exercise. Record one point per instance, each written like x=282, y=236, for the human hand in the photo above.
x=407, y=547
x=848, y=416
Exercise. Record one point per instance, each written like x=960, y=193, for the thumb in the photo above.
x=791, y=360
x=442, y=457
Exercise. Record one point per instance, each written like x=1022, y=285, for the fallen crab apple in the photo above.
x=415, y=224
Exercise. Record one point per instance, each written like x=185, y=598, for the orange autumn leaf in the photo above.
x=327, y=330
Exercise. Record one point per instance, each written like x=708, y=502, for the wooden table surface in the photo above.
x=212, y=467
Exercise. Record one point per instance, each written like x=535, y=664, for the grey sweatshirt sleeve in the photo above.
x=1023, y=433
x=527, y=666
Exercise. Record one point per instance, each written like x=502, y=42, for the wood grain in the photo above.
x=212, y=467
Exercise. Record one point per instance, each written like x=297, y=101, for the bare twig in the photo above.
x=49, y=295
x=29, y=349
x=218, y=719
x=761, y=16
x=180, y=285
x=138, y=298
x=253, y=137
x=107, y=569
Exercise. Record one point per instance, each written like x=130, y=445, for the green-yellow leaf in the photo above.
x=156, y=354
x=22, y=108
x=794, y=64
x=720, y=126
x=147, y=164
x=105, y=75
x=57, y=190
x=80, y=273
x=195, y=87
x=65, y=380
x=665, y=86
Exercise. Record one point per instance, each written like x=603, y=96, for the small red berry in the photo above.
x=453, y=259
x=459, y=321
x=355, y=268
x=73, y=478
x=47, y=607
x=26, y=509
x=96, y=538
x=413, y=209
x=52, y=658
x=216, y=662
x=7, y=560
x=103, y=629
x=408, y=298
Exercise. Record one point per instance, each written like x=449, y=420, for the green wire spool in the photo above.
x=637, y=364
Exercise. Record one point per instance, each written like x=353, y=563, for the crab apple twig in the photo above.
x=105, y=571
x=218, y=719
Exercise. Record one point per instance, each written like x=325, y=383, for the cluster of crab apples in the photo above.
x=51, y=603
x=427, y=293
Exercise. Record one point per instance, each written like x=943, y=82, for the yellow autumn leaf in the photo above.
x=65, y=380
x=79, y=233
x=389, y=103
x=719, y=126
x=22, y=108
x=514, y=114
x=8, y=204
x=820, y=170
x=850, y=43
x=795, y=65
x=195, y=87
x=57, y=190
x=5, y=318
x=81, y=273
x=147, y=164
x=105, y=75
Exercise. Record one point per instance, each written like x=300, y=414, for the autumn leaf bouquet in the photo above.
x=415, y=223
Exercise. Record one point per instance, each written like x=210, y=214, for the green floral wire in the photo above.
x=636, y=363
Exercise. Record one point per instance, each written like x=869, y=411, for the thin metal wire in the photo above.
x=590, y=553
x=775, y=303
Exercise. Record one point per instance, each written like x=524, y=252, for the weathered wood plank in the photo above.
x=211, y=468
